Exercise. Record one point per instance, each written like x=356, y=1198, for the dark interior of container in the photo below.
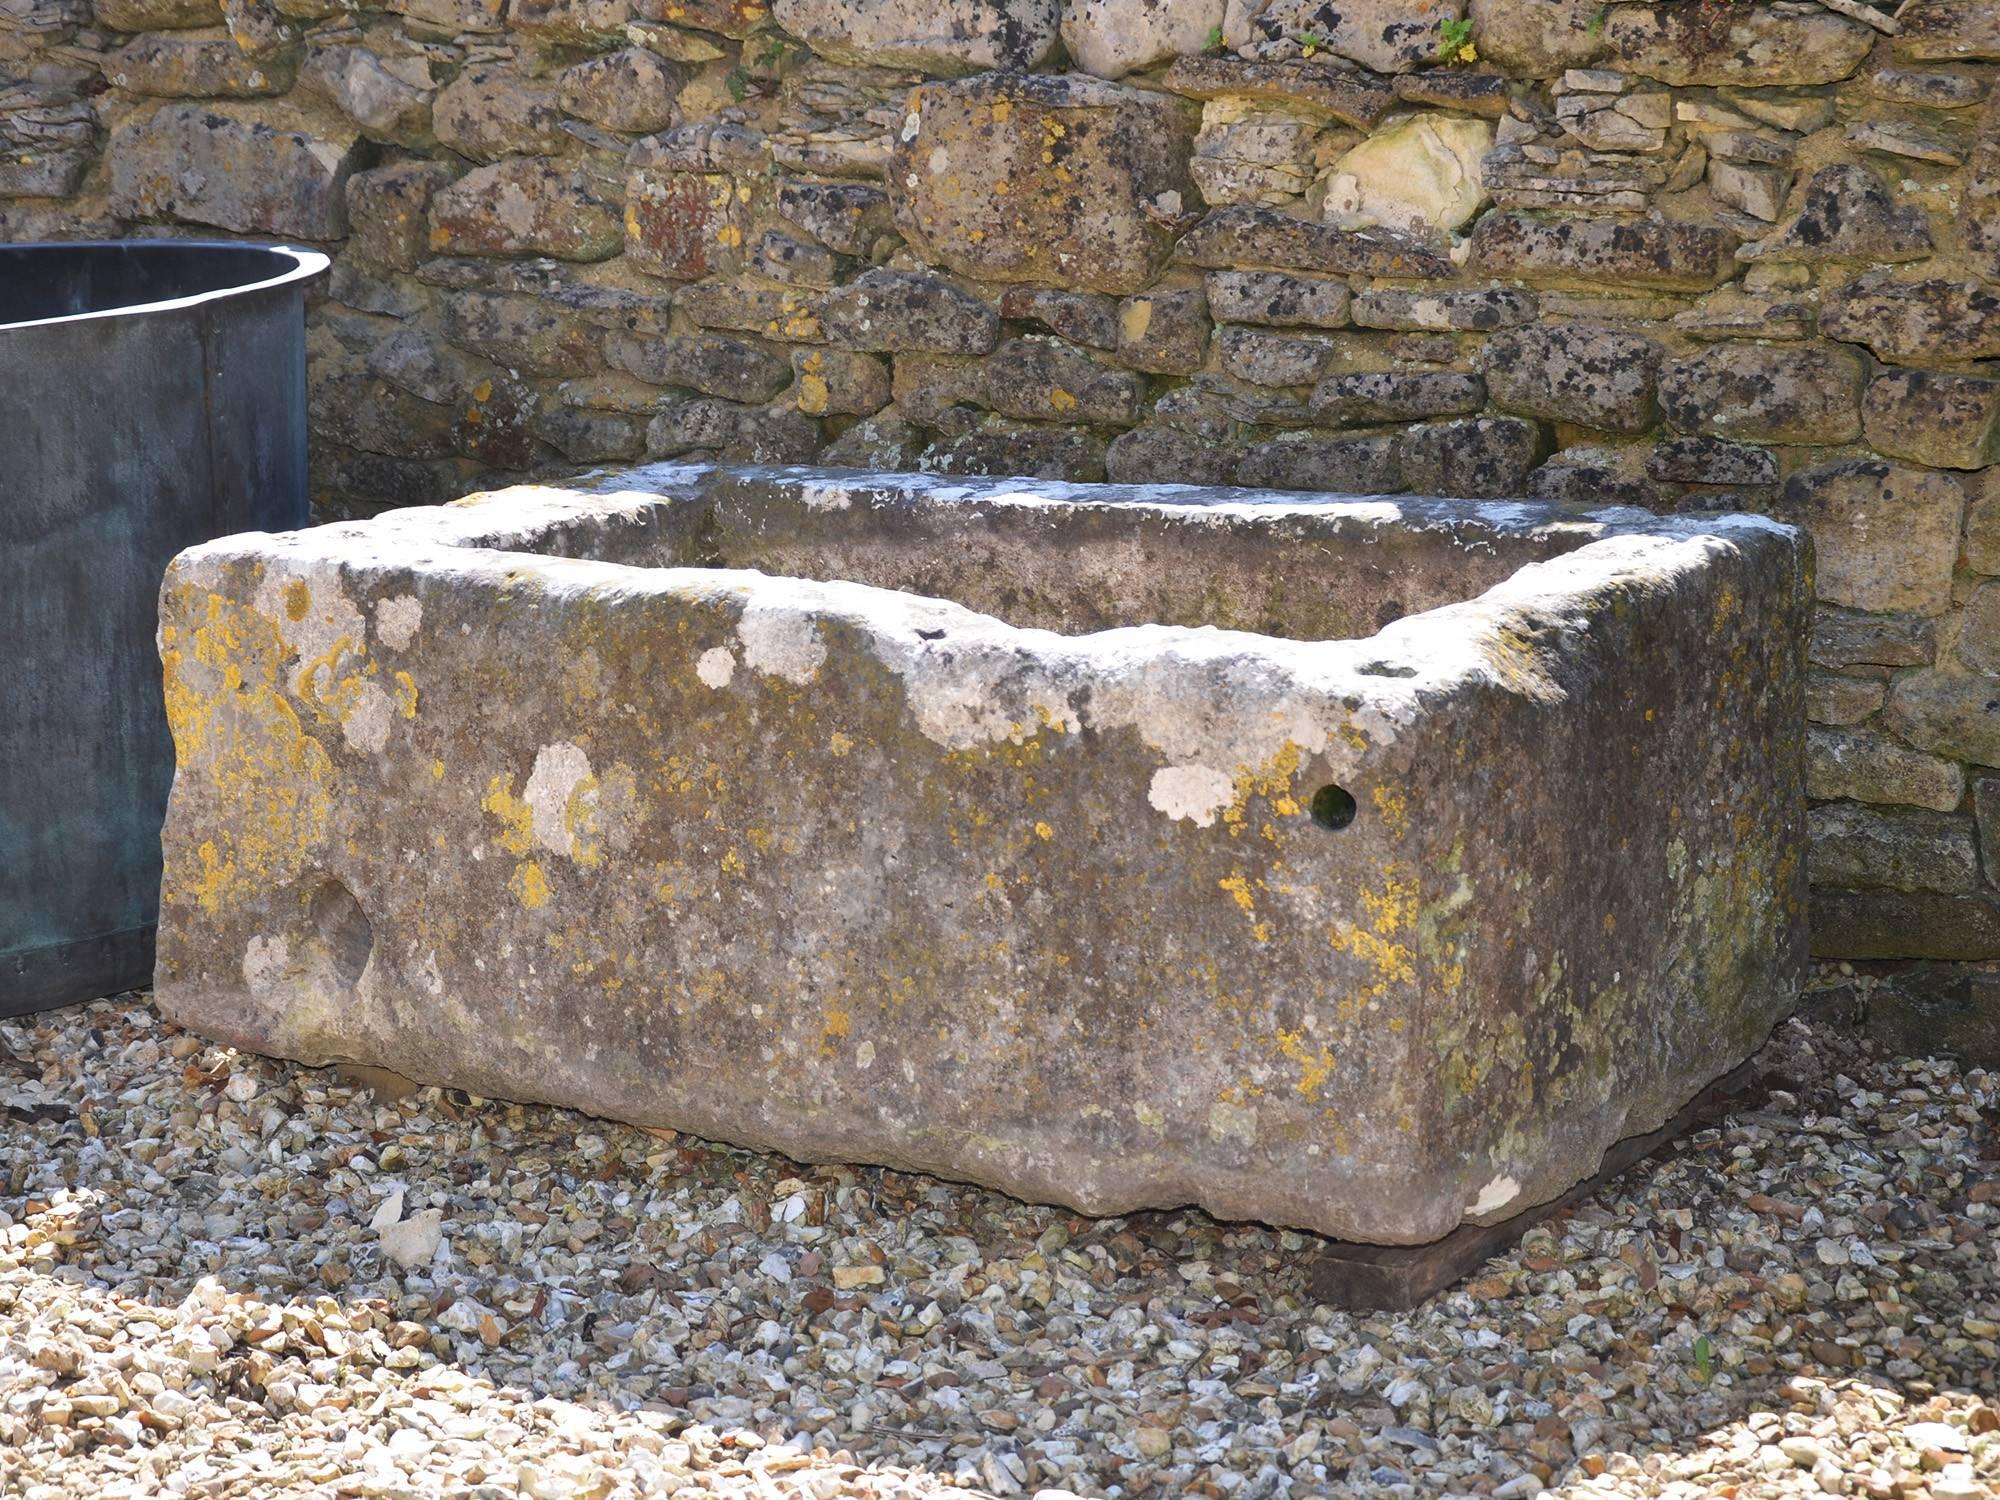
x=64, y=281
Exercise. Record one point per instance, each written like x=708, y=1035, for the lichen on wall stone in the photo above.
x=1674, y=255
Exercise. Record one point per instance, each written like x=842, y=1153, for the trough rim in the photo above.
x=306, y=264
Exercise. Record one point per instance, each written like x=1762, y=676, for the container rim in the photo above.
x=305, y=264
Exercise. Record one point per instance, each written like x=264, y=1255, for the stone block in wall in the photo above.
x=1710, y=460
x=156, y=15
x=448, y=18
x=731, y=18
x=1038, y=452
x=1081, y=317
x=358, y=409
x=199, y=65
x=1363, y=397
x=880, y=442
x=1948, y=31
x=1848, y=213
x=682, y=225
x=1979, y=629
x=1483, y=94
x=1858, y=846
x=1730, y=314
x=708, y=363
x=1803, y=393
x=1980, y=207
x=1245, y=236
x=1928, y=88
x=1422, y=175
x=1277, y=299
x=777, y=256
x=591, y=437
x=1931, y=319
x=490, y=112
x=1854, y=638
x=1951, y=714
x=1934, y=417
x=1855, y=765
x=1653, y=254
x=1386, y=36
x=1037, y=378
x=728, y=430
x=525, y=205
x=1903, y=141
x=1531, y=175
x=608, y=294
x=1110, y=38
x=1310, y=461
x=1539, y=38
x=1316, y=87
x=1986, y=812
x=348, y=482
x=1058, y=179
x=769, y=312
x=630, y=90
x=412, y=360
x=523, y=333
x=1164, y=332
x=898, y=311
x=1982, y=524
x=937, y=36
x=1885, y=535
x=1253, y=151
x=1474, y=458
x=256, y=169
x=586, y=22
x=388, y=97
x=388, y=213
x=1263, y=357
x=1161, y=455
x=1839, y=699
x=1904, y=924
x=1758, y=191
x=1574, y=372
x=839, y=382
x=1481, y=311
x=846, y=217
x=1746, y=45
x=1936, y=1010
x=1595, y=475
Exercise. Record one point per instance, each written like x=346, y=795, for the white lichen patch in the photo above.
x=716, y=666
x=265, y=962
x=559, y=770
x=1497, y=1194
x=1232, y=1122
x=366, y=717
x=1196, y=792
x=781, y=642
x=825, y=496
x=319, y=622
x=397, y=621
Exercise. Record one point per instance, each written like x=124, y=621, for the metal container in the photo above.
x=152, y=395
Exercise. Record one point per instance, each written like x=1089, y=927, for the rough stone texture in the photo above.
x=1388, y=36
x=388, y=213
x=1391, y=396
x=908, y=311
x=524, y=206
x=1948, y=714
x=1475, y=457
x=1421, y=175
x=1934, y=417
x=1111, y=38
x=946, y=36
x=1781, y=394
x=1858, y=846
x=1538, y=38
x=222, y=165
x=654, y=757
x=1868, y=768
x=1572, y=372
x=1885, y=536
x=1242, y=235
x=1914, y=320
x=1304, y=461
x=210, y=65
x=1650, y=253
x=1277, y=299
x=1042, y=178
x=390, y=100
x=1905, y=924
x=1312, y=85
x=487, y=114
x=1744, y=46
x=1848, y=214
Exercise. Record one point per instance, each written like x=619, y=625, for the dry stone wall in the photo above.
x=1682, y=255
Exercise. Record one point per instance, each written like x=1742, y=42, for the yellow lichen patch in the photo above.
x=1044, y=832
x=840, y=744
x=517, y=819
x=529, y=885
x=1061, y=399
x=1392, y=909
x=239, y=743
x=1272, y=781
x=1239, y=888
x=1315, y=1064
x=406, y=694
x=732, y=863
x=298, y=599
x=437, y=770
x=839, y=1023
x=1393, y=803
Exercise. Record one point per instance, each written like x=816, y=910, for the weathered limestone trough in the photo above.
x=1367, y=866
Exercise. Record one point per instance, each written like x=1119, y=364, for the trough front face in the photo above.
x=1362, y=866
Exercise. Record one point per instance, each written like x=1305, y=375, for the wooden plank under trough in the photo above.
x=1395, y=1278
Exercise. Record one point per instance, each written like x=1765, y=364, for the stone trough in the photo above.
x=1366, y=866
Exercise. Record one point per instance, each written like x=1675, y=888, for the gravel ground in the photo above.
x=222, y=1275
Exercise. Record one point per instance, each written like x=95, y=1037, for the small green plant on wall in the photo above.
x=1310, y=42
x=1455, y=43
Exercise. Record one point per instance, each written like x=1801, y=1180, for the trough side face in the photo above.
x=860, y=875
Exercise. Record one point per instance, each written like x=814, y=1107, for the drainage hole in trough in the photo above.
x=1333, y=806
